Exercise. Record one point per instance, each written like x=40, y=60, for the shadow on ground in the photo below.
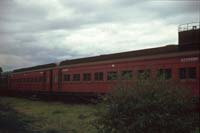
x=12, y=122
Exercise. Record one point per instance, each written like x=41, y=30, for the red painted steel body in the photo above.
x=174, y=63
x=52, y=80
x=43, y=78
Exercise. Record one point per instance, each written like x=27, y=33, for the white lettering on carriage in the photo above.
x=64, y=70
x=191, y=59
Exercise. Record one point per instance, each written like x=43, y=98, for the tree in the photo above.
x=150, y=106
x=1, y=70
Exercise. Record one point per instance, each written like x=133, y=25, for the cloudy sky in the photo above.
x=34, y=32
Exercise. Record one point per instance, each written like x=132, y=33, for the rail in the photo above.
x=189, y=26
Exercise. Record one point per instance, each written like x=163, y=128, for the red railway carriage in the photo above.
x=98, y=74
x=38, y=78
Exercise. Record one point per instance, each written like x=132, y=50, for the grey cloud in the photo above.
x=99, y=14
x=30, y=55
x=14, y=11
x=174, y=9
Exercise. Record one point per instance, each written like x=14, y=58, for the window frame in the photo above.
x=182, y=73
x=99, y=76
x=145, y=73
x=87, y=76
x=192, y=75
x=110, y=75
x=126, y=74
x=76, y=79
x=189, y=74
x=163, y=72
x=66, y=77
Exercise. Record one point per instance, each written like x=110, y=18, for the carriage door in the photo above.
x=51, y=80
x=44, y=82
x=59, y=80
x=55, y=80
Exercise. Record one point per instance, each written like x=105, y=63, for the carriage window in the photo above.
x=86, y=76
x=36, y=80
x=126, y=74
x=67, y=77
x=98, y=76
x=45, y=79
x=41, y=79
x=192, y=73
x=76, y=77
x=55, y=79
x=187, y=73
x=144, y=73
x=112, y=75
x=182, y=73
x=165, y=73
x=168, y=73
x=160, y=73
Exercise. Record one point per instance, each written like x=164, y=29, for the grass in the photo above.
x=18, y=115
x=24, y=115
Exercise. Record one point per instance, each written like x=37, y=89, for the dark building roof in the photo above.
x=189, y=39
x=35, y=67
x=145, y=52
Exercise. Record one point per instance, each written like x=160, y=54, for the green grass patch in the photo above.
x=40, y=116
